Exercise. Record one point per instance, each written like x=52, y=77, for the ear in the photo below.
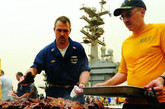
x=143, y=11
x=54, y=29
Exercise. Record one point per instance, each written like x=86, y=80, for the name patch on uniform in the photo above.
x=145, y=39
x=74, y=59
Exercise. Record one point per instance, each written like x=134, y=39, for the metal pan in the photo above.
x=117, y=91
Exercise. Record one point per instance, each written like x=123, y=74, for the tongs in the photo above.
x=152, y=98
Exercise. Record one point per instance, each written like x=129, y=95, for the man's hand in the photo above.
x=76, y=91
x=28, y=78
x=79, y=90
x=82, y=85
x=12, y=94
x=157, y=85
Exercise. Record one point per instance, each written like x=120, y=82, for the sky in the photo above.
x=26, y=26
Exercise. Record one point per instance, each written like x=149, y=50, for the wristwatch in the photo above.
x=163, y=77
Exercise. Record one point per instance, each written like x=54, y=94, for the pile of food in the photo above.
x=49, y=103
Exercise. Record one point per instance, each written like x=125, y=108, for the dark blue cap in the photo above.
x=129, y=4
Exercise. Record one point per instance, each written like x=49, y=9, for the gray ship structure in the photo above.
x=102, y=67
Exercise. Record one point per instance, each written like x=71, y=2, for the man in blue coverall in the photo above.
x=23, y=90
x=64, y=62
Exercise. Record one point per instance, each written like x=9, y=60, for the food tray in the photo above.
x=116, y=91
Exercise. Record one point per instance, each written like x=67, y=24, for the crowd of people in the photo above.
x=107, y=101
x=22, y=91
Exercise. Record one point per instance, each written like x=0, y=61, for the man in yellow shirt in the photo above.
x=143, y=55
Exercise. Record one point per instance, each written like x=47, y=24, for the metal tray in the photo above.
x=117, y=91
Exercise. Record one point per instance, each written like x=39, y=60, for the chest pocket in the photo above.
x=51, y=62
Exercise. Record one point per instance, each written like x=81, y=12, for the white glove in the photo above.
x=75, y=91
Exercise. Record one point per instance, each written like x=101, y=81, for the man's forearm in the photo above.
x=33, y=70
x=162, y=77
x=25, y=95
x=84, y=77
x=117, y=79
x=163, y=74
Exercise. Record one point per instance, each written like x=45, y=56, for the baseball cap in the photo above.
x=129, y=4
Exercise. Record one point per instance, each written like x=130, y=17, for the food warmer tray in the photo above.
x=118, y=91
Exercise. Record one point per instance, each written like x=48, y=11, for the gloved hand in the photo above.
x=76, y=91
x=28, y=78
x=79, y=90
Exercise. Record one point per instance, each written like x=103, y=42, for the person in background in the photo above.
x=23, y=90
x=143, y=56
x=64, y=62
x=6, y=86
x=33, y=91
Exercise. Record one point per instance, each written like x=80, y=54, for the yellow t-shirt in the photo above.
x=143, y=56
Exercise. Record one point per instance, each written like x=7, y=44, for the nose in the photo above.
x=125, y=19
x=62, y=33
